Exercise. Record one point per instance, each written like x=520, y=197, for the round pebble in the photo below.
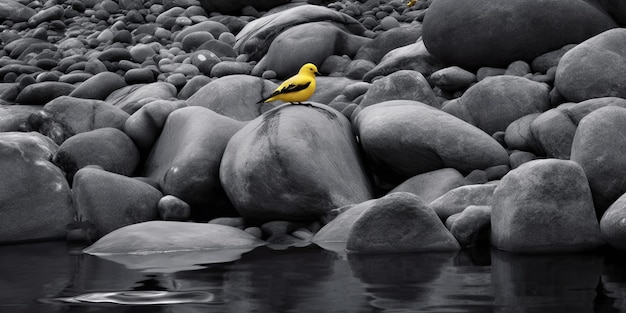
x=139, y=76
x=177, y=79
x=389, y=22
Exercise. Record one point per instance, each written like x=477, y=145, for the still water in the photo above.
x=50, y=277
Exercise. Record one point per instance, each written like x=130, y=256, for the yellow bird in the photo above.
x=411, y=3
x=297, y=88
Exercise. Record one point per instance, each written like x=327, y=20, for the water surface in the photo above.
x=49, y=277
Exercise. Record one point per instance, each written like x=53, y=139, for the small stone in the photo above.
x=172, y=208
x=389, y=22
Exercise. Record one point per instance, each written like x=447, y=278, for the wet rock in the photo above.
x=308, y=43
x=65, y=116
x=401, y=85
x=597, y=147
x=36, y=199
x=431, y=140
x=131, y=98
x=110, y=201
x=455, y=34
x=467, y=226
x=186, y=157
x=411, y=57
x=495, y=102
x=172, y=208
x=15, y=11
x=432, y=185
x=544, y=206
x=42, y=93
x=452, y=78
x=99, y=86
x=458, y=199
x=166, y=236
x=108, y=148
x=269, y=145
x=145, y=125
x=600, y=75
x=255, y=38
x=235, y=96
x=399, y=222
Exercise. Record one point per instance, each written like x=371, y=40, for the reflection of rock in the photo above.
x=421, y=282
x=277, y=281
x=399, y=268
x=613, y=282
x=32, y=271
x=545, y=283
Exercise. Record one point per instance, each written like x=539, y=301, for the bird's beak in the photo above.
x=317, y=73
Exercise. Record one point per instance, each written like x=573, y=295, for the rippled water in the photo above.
x=47, y=277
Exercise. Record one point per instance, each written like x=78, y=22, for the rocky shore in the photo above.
x=447, y=124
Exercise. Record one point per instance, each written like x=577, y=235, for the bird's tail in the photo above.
x=262, y=100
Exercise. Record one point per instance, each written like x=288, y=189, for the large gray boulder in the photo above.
x=405, y=138
x=15, y=11
x=495, y=102
x=594, y=68
x=235, y=96
x=65, y=117
x=400, y=85
x=109, y=201
x=308, y=43
x=544, y=206
x=185, y=159
x=553, y=131
x=294, y=162
x=455, y=32
x=612, y=224
x=35, y=198
x=598, y=147
x=399, y=222
x=255, y=38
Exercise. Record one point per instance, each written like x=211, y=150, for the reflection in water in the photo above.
x=422, y=282
x=546, y=283
x=141, y=297
x=310, y=279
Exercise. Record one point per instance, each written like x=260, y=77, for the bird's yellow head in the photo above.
x=309, y=69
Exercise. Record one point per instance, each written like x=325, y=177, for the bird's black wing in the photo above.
x=287, y=89
x=291, y=88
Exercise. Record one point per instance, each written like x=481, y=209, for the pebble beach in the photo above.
x=136, y=126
